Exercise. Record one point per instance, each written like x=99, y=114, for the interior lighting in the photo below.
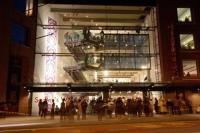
x=143, y=67
x=105, y=73
x=129, y=92
x=95, y=76
x=95, y=59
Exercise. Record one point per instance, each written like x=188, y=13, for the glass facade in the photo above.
x=96, y=51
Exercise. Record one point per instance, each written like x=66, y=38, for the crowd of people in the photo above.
x=120, y=107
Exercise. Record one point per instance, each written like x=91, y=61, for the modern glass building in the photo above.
x=132, y=49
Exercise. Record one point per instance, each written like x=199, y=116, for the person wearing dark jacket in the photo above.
x=84, y=109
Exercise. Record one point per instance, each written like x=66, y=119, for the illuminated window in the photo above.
x=184, y=15
x=24, y=6
x=187, y=41
x=189, y=68
x=29, y=7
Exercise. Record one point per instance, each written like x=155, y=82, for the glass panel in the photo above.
x=142, y=63
x=189, y=68
x=187, y=41
x=184, y=15
x=94, y=61
x=138, y=43
x=111, y=62
x=127, y=62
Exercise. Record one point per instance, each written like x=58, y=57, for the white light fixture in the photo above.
x=143, y=67
x=95, y=59
x=95, y=75
x=105, y=73
x=129, y=92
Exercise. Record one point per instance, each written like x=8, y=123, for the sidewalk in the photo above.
x=93, y=119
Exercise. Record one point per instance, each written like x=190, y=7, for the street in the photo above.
x=157, y=124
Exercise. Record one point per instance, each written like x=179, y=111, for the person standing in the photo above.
x=84, y=109
x=72, y=110
x=110, y=108
x=99, y=108
x=62, y=109
x=52, y=109
x=44, y=108
x=156, y=106
x=40, y=107
x=79, y=109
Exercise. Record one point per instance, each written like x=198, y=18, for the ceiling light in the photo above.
x=105, y=73
x=128, y=91
x=113, y=92
x=144, y=67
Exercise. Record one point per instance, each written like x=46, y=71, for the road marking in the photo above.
x=16, y=130
x=85, y=128
x=21, y=124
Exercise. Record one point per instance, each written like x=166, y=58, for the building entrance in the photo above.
x=58, y=96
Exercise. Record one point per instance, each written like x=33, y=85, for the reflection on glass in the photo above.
x=189, y=68
x=123, y=40
x=127, y=62
x=187, y=41
x=93, y=61
x=184, y=15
